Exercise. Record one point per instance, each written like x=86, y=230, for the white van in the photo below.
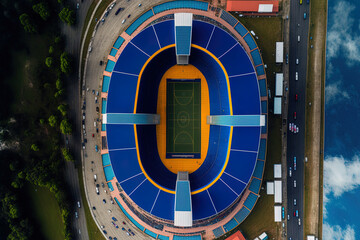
x=296, y=76
x=298, y=38
x=123, y=21
x=95, y=177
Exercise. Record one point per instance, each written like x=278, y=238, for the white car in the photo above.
x=297, y=61
x=299, y=222
x=294, y=183
x=294, y=202
x=296, y=76
x=78, y=203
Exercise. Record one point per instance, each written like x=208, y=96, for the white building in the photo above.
x=278, y=191
x=270, y=188
x=279, y=80
x=277, y=213
x=279, y=52
x=277, y=170
x=277, y=105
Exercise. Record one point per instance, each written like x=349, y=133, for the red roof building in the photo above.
x=236, y=236
x=271, y=6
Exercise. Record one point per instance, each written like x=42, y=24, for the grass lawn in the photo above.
x=46, y=212
x=93, y=230
x=269, y=31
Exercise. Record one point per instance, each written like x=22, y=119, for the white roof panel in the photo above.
x=278, y=192
x=270, y=188
x=265, y=8
x=279, y=52
x=277, y=213
x=277, y=105
x=279, y=80
x=277, y=170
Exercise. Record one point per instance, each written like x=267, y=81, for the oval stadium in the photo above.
x=184, y=121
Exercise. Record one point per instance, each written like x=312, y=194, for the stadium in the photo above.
x=184, y=121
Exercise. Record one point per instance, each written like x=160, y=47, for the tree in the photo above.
x=65, y=63
x=51, y=49
x=42, y=9
x=52, y=121
x=27, y=23
x=65, y=127
x=42, y=121
x=67, y=156
x=34, y=147
x=63, y=109
x=59, y=93
x=59, y=84
x=67, y=16
x=48, y=61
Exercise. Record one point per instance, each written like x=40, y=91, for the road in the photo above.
x=296, y=141
x=73, y=39
x=105, y=36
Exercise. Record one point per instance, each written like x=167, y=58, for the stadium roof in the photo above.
x=253, y=6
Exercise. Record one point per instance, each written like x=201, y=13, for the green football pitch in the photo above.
x=183, y=112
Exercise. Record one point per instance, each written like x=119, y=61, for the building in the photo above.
x=270, y=188
x=279, y=80
x=277, y=171
x=277, y=105
x=277, y=213
x=278, y=192
x=279, y=52
x=258, y=7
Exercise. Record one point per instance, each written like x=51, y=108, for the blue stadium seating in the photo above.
x=230, y=225
x=245, y=138
x=147, y=41
x=245, y=89
x=250, y=201
x=161, y=237
x=129, y=217
x=263, y=106
x=264, y=128
x=243, y=169
x=228, y=18
x=241, y=29
x=262, y=85
x=183, y=197
x=242, y=214
x=110, y=66
x=181, y=4
x=105, y=159
x=131, y=60
x=113, y=52
x=103, y=106
x=183, y=40
x=165, y=33
x=255, y=185
x=260, y=70
x=242, y=65
x=250, y=41
x=194, y=237
x=110, y=186
x=256, y=57
x=220, y=42
x=201, y=33
x=150, y=233
x=259, y=169
x=218, y=232
x=262, y=149
x=140, y=20
x=105, y=85
x=109, y=173
x=119, y=41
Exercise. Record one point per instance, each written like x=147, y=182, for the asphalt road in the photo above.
x=73, y=40
x=295, y=141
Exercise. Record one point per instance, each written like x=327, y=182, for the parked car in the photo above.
x=294, y=163
x=304, y=15
x=294, y=202
x=76, y=215
x=104, y=201
x=290, y=172
x=113, y=218
x=78, y=204
x=119, y=10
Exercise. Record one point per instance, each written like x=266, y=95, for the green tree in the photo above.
x=51, y=49
x=65, y=127
x=67, y=16
x=42, y=121
x=34, y=147
x=42, y=9
x=66, y=154
x=59, y=93
x=59, y=84
x=48, y=61
x=63, y=109
x=27, y=23
x=65, y=63
x=52, y=121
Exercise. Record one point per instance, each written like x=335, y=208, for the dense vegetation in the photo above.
x=33, y=112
